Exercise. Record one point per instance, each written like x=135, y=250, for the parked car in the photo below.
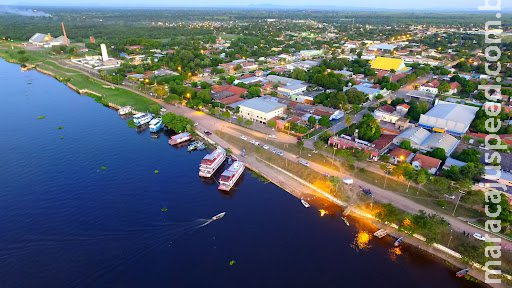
x=367, y=192
x=266, y=147
x=207, y=132
x=280, y=153
x=348, y=181
x=195, y=124
x=256, y=143
x=272, y=136
x=243, y=137
x=479, y=236
x=304, y=162
x=449, y=196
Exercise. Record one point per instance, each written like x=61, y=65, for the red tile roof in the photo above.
x=230, y=88
x=383, y=142
x=400, y=153
x=427, y=162
x=403, y=105
x=387, y=108
x=433, y=84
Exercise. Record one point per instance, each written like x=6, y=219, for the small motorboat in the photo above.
x=218, y=216
x=345, y=220
x=306, y=204
x=462, y=273
x=201, y=147
x=398, y=241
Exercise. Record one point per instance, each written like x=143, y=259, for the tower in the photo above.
x=104, y=54
x=64, y=34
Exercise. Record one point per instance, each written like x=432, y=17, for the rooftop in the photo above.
x=262, y=104
x=426, y=161
x=388, y=64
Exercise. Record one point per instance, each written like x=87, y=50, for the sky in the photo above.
x=377, y=4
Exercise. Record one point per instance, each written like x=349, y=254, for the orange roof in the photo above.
x=427, y=162
x=400, y=153
x=230, y=88
x=383, y=142
x=403, y=105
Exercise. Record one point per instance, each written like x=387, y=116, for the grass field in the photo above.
x=109, y=94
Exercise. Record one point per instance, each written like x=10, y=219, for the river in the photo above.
x=80, y=206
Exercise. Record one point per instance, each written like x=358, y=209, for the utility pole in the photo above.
x=462, y=193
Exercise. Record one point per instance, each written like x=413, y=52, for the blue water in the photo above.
x=66, y=222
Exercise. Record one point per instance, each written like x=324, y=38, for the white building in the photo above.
x=292, y=89
x=449, y=117
x=261, y=109
x=104, y=53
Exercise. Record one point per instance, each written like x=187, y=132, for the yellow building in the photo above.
x=388, y=64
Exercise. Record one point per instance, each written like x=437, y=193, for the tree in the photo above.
x=254, y=92
x=422, y=178
x=406, y=144
x=348, y=120
x=468, y=156
x=324, y=121
x=231, y=79
x=312, y=121
x=444, y=87
x=369, y=128
x=272, y=123
x=438, y=153
x=240, y=120
x=299, y=74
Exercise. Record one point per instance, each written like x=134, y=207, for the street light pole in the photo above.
x=462, y=193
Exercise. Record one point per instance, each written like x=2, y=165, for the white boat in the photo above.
x=194, y=145
x=212, y=162
x=381, y=233
x=345, y=220
x=155, y=125
x=306, y=204
x=398, y=242
x=125, y=110
x=142, y=118
x=180, y=138
x=218, y=216
x=231, y=175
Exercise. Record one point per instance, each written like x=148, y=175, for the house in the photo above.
x=261, y=109
x=346, y=142
x=402, y=109
x=399, y=155
x=453, y=162
x=367, y=89
x=446, y=117
x=309, y=54
x=383, y=143
x=428, y=163
x=382, y=47
x=402, y=124
x=228, y=94
x=431, y=87
x=387, y=113
x=388, y=64
x=454, y=88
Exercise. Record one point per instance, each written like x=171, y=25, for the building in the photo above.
x=387, y=113
x=446, y=117
x=46, y=40
x=261, y=109
x=292, y=89
x=423, y=140
x=228, y=94
x=309, y=54
x=453, y=162
x=382, y=47
x=420, y=96
x=431, y=87
x=104, y=53
x=399, y=155
x=428, y=163
x=402, y=109
x=368, y=89
x=388, y=64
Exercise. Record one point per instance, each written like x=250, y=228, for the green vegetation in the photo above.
x=103, y=168
x=131, y=123
x=177, y=123
x=60, y=128
x=41, y=117
x=156, y=171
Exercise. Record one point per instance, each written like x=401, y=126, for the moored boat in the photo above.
x=231, y=175
x=201, y=147
x=142, y=118
x=462, y=273
x=306, y=204
x=180, y=138
x=398, y=242
x=194, y=145
x=155, y=125
x=125, y=110
x=212, y=162
x=345, y=220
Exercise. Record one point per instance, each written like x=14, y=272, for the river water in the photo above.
x=80, y=206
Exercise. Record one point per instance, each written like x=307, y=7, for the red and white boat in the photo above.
x=231, y=175
x=180, y=138
x=212, y=162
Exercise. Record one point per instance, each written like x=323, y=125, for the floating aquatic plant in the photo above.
x=156, y=171
x=60, y=128
x=61, y=137
x=41, y=117
x=232, y=262
x=103, y=168
x=164, y=210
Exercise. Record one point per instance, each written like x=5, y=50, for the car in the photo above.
x=449, y=196
x=273, y=150
x=280, y=153
x=348, y=180
x=266, y=147
x=207, y=132
x=256, y=143
x=304, y=162
x=243, y=137
x=479, y=236
x=252, y=142
x=195, y=124
x=367, y=192
x=272, y=136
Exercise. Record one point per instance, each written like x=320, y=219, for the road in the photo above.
x=207, y=122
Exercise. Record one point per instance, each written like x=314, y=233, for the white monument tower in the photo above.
x=104, y=54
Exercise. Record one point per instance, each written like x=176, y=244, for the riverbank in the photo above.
x=286, y=181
